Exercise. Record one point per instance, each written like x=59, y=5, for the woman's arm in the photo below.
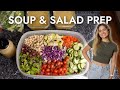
x=113, y=64
x=84, y=52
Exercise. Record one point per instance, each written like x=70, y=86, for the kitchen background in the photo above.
x=8, y=67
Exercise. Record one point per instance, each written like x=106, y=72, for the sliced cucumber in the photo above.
x=70, y=50
x=83, y=65
x=78, y=57
x=79, y=53
x=82, y=56
x=80, y=45
x=71, y=64
x=76, y=70
x=71, y=56
x=74, y=67
x=75, y=61
x=76, y=47
x=75, y=53
x=83, y=61
x=71, y=70
x=75, y=43
x=79, y=66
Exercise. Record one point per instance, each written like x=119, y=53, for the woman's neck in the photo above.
x=105, y=40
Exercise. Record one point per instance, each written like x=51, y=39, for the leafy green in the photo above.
x=30, y=65
x=4, y=20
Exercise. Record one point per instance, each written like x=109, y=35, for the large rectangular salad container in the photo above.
x=44, y=32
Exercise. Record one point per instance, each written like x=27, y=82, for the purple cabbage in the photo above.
x=52, y=53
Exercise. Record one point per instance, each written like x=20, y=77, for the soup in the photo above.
x=36, y=25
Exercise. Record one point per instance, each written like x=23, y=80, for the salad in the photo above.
x=4, y=20
x=52, y=54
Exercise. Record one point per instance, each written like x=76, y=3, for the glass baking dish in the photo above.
x=44, y=32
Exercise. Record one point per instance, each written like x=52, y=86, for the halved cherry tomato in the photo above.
x=55, y=71
x=61, y=63
x=62, y=73
x=65, y=65
x=52, y=66
x=64, y=69
x=49, y=61
x=44, y=66
x=64, y=62
x=48, y=73
x=43, y=70
x=47, y=70
x=48, y=66
x=54, y=61
x=58, y=63
x=60, y=70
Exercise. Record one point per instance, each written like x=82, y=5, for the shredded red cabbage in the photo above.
x=52, y=53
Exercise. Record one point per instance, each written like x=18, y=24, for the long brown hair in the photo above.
x=98, y=39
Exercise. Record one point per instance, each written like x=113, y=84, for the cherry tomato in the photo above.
x=55, y=71
x=55, y=74
x=49, y=61
x=43, y=70
x=66, y=58
x=48, y=66
x=65, y=66
x=64, y=69
x=58, y=63
x=61, y=63
x=52, y=70
x=48, y=73
x=54, y=61
x=60, y=70
x=44, y=66
x=65, y=62
x=47, y=70
x=52, y=66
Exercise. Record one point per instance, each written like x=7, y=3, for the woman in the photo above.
x=104, y=54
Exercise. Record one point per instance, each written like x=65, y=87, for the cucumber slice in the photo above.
x=70, y=50
x=71, y=70
x=80, y=45
x=76, y=70
x=75, y=53
x=71, y=64
x=71, y=56
x=82, y=56
x=75, y=43
x=79, y=66
x=79, y=53
x=76, y=47
x=83, y=61
x=78, y=57
x=83, y=65
x=76, y=61
x=74, y=67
